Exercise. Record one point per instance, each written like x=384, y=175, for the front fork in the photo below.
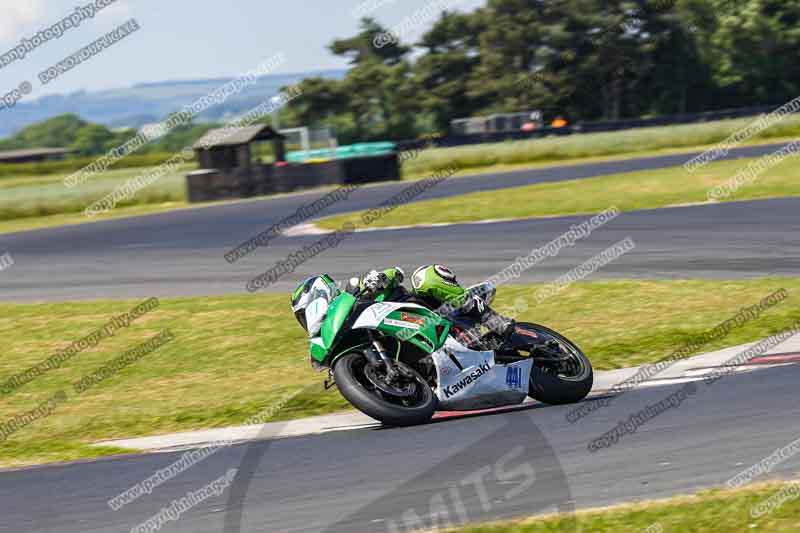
x=376, y=356
x=380, y=355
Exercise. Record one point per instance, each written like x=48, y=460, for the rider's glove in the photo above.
x=375, y=281
x=399, y=274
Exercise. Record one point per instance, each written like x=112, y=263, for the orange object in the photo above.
x=559, y=123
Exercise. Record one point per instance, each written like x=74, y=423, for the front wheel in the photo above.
x=561, y=373
x=407, y=401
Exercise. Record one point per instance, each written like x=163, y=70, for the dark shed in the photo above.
x=228, y=148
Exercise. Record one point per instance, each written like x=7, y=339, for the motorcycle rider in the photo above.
x=434, y=286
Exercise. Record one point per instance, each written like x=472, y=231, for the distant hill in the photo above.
x=147, y=102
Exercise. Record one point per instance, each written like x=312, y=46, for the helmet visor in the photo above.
x=315, y=313
x=310, y=302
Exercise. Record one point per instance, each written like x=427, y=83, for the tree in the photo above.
x=443, y=72
x=752, y=49
x=91, y=139
x=375, y=92
x=56, y=132
x=511, y=52
x=362, y=48
x=321, y=99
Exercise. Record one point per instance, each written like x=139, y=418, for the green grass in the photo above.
x=34, y=197
x=234, y=356
x=724, y=511
x=73, y=164
x=627, y=191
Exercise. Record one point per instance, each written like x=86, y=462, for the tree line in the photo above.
x=582, y=59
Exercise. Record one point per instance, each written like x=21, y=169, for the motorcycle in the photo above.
x=399, y=361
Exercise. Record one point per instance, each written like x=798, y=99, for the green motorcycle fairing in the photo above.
x=419, y=326
x=338, y=312
x=416, y=325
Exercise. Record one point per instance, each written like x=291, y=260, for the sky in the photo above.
x=191, y=39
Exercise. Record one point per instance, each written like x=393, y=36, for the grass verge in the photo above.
x=716, y=510
x=234, y=356
x=627, y=191
x=68, y=219
x=633, y=143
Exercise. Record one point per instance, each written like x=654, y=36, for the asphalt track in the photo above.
x=365, y=480
x=116, y=260
x=181, y=253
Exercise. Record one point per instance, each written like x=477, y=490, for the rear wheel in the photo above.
x=405, y=401
x=561, y=373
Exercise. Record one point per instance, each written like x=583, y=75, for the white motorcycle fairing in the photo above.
x=376, y=313
x=470, y=379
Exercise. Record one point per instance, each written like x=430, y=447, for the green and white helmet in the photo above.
x=437, y=283
x=310, y=301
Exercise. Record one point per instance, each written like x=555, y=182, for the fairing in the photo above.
x=470, y=379
x=337, y=314
x=408, y=322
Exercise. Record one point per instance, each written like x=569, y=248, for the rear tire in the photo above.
x=346, y=373
x=555, y=389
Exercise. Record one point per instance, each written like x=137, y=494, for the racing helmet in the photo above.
x=310, y=301
x=437, y=283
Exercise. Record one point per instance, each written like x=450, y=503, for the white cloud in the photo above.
x=16, y=14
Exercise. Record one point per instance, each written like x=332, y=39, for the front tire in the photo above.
x=350, y=374
x=557, y=388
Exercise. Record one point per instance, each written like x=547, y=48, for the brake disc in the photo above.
x=392, y=389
